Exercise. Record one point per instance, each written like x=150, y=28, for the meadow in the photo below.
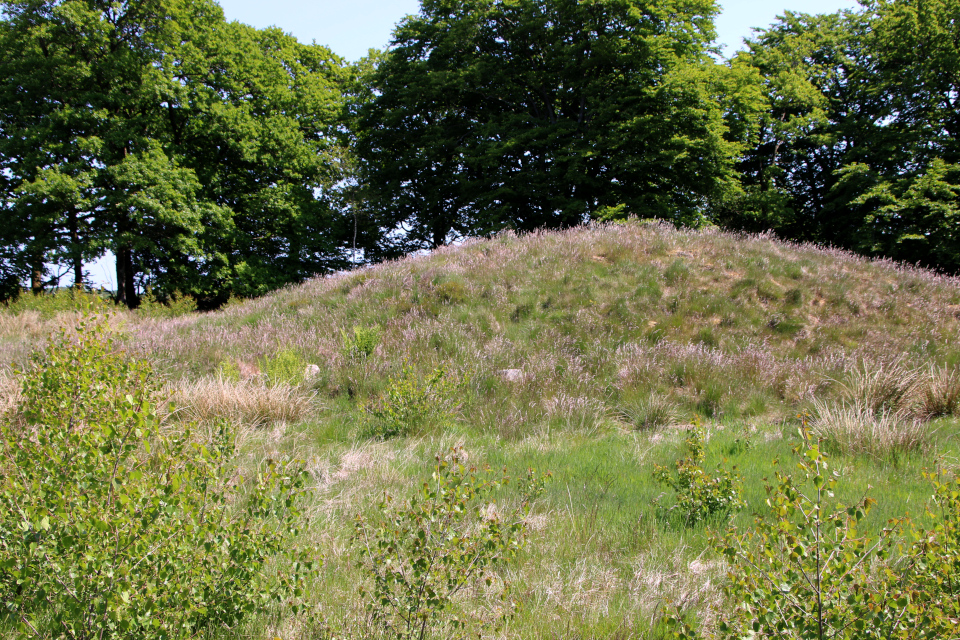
x=588, y=354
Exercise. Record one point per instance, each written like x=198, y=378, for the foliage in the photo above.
x=856, y=144
x=174, y=306
x=930, y=579
x=201, y=153
x=410, y=403
x=112, y=527
x=284, y=367
x=804, y=570
x=52, y=303
x=487, y=115
x=446, y=539
x=698, y=495
x=362, y=343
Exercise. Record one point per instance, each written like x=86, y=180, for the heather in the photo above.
x=587, y=354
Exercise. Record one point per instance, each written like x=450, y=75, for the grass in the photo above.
x=616, y=338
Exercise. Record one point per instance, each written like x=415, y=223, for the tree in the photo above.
x=533, y=113
x=201, y=153
x=857, y=145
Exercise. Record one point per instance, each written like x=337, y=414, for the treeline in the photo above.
x=215, y=159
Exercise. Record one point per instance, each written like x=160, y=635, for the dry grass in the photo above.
x=250, y=403
x=882, y=388
x=856, y=428
x=938, y=393
x=9, y=392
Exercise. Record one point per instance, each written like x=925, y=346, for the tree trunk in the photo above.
x=77, y=253
x=36, y=278
x=126, y=289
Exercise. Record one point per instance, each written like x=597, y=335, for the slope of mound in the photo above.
x=585, y=353
x=725, y=325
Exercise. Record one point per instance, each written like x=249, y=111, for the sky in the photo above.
x=351, y=28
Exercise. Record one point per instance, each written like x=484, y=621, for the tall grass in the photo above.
x=242, y=402
x=614, y=334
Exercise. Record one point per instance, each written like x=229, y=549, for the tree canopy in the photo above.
x=533, y=113
x=200, y=152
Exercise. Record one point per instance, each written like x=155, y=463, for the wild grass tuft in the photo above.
x=852, y=428
x=655, y=411
x=881, y=387
x=246, y=402
x=938, y=393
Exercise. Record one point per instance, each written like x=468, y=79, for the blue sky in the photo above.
x=352, y=28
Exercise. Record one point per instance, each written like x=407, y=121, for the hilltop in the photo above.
x=587, y=353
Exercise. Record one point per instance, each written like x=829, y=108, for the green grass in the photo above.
x=741, y=331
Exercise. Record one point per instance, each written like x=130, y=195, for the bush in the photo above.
x=804, y=571
x=362, y=343
x=409, y=403
x=286, y=367
x=698, y=495
x=173, y=306
x=67, y=300
x=110, y=527
x=447, y=538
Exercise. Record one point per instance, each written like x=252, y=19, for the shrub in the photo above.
x=67, y=300
x=698, y=495
x=111, y=528
x=929, y=581
x=409, y=403
x=286, y=367
x=804, y=572
x=449, y=537
x=362, y=343
x=173, y=306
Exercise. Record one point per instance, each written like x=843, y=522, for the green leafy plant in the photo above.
x=111, y=527
x=409, y=403
x=927, y=585
x=449, y=537
x=804, y=571
x=699, y=495
x=172, y=306
x=285, y=367
x=362, y=343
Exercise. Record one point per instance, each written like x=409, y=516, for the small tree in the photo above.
x=445, y=539
x=112, y=527
x=804, y=571
x=699, y=495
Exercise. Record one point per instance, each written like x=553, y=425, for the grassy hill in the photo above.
x=586, y=353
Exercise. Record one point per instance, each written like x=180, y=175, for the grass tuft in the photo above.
x=655, y=411
x=939, y=392
x=244, y=402
x=852, y=428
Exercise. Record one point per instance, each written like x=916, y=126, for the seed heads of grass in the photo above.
x=853, y=428
x=246, y=402
x=652, y=412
